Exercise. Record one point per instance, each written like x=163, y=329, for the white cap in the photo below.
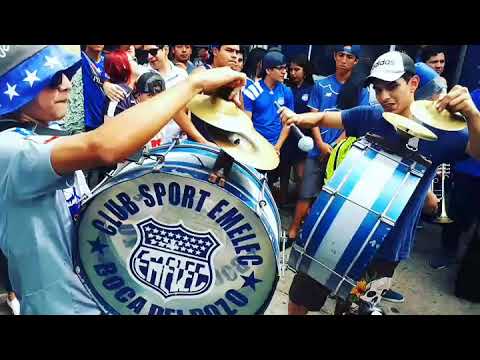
x=391, y=66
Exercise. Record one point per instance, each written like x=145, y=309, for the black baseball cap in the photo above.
x=150, y=83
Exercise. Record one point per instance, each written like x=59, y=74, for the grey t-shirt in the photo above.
x=37, y=229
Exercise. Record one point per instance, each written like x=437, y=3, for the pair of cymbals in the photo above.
x=425, y=112
x=219, y=113
x=409, y=127
x=232, y=130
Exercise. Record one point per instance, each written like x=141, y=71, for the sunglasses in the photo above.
x=153, y=52
x=280, y=67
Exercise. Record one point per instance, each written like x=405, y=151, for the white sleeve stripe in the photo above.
x=258, y=86
x=254, y=91
x=111, y=108
x=249, y=94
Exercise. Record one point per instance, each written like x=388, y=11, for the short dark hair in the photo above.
x=429, y=51
x=302, y=61
x=407, y=76
x=253, y=58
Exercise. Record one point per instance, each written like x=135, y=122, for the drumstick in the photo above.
x=305, y=143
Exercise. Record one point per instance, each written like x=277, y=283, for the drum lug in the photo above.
x=416, y=172
x=387, y=220
x=161, y=158
x=261, y=201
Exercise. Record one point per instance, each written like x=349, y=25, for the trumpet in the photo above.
x=443, y=171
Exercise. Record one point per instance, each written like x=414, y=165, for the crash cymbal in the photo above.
x=248, y=147
x=409, y=127
x=425, y=112
x=220, y=113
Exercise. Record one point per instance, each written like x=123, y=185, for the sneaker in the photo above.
x=14, y=305
x=442, y=261
x=393, y=296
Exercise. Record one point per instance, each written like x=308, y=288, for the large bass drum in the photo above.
x=159, y=239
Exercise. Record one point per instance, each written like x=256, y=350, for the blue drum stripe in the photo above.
x=354, y=156
x=390, y=189
x=369, y=251
x=402, y=198
x=322, y=228
x=353, y=248
x=345, y=190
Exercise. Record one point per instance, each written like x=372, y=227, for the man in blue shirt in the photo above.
x=323, y=97
x=394, y=80
x=96, y=87
x=259, y=99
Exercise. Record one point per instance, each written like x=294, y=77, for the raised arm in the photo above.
x=133, y=128
x=330, y=119
x=459, y=100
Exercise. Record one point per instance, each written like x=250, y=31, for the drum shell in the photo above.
x=188, y=164
x=353, y=215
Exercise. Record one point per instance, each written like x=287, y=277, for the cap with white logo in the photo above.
x=390, y=67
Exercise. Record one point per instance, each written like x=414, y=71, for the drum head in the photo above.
x=160, y=243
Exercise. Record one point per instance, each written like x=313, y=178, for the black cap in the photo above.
x=150, y=83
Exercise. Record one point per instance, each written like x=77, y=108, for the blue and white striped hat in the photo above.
x=25, y=70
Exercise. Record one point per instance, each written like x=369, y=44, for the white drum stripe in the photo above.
x=373, y=181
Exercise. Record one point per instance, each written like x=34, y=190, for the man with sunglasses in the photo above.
x=394, y=80
x=260, y=97
x=40, y=179
x=158, y=62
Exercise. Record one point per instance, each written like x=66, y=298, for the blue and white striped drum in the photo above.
x=160, y=239
x=353, y=214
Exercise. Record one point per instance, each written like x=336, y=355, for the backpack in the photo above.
x=338, y=154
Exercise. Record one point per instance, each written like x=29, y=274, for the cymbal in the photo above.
x=249, y=147
x=424, y=111
x=409, y=127
x=220, y=113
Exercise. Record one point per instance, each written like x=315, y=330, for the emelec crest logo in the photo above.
x=173, y=260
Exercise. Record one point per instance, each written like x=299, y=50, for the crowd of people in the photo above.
x=334, y=110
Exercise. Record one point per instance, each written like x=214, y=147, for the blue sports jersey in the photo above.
x=449, y=148
x=301, y=96
x=258, y=99
x=324, y=98
x=93, y=74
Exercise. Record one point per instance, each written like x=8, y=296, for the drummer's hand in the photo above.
x=212, y=79
x=457, y=100
x=288, y=117
x=277, y=148
x=113, y=92
x=325, y=149
x=237, y=98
